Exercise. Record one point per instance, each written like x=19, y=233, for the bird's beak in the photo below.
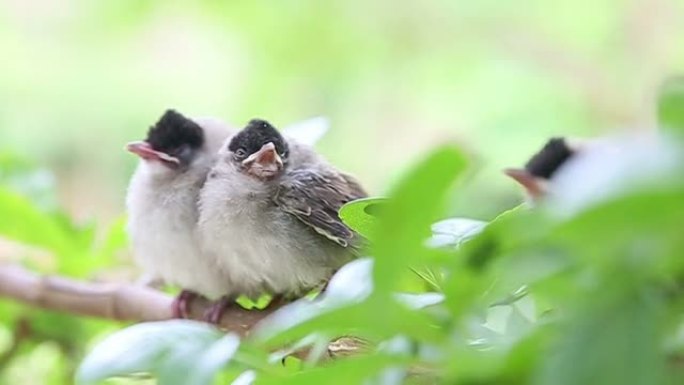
x=534, y=186
x=145, y=151
x=264, y=163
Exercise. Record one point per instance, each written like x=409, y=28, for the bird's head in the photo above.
x=258, y=151
x=172, y=144
x=543, y=165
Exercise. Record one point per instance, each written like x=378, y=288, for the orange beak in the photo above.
x=146, y=152
x=531, y=184
x=264, y=163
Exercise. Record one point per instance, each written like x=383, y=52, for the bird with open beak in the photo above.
x=269, y=216
x=175, y=159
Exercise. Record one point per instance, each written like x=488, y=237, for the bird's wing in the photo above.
x=315, y=196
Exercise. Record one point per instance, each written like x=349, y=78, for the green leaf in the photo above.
x=178, y=352
x=361, y=215
x=27, y=179
x=671, y=105
x=378, y=318
x=23, y=222
x=115, y=239
x=419, y=301
x=642, y=229
x=454, y=231
x=612, y=338
x=414, y=204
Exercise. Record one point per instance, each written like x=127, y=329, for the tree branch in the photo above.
x=123, y=302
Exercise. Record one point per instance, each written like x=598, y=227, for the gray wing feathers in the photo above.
x=315, y=196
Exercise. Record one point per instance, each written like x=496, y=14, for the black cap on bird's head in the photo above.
x=542, y=166
x=173, y=141
x=550, y=158
x=259, y=150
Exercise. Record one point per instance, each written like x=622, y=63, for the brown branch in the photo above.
x=135, y=303
x=123, y=302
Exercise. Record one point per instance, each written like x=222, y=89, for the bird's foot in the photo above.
x=214, y=313
x=181, y=304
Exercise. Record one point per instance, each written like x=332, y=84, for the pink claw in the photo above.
x=181, y=304
x=215, y=311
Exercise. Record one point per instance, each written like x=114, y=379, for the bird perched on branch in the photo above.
x=162, y=204
x=268, y=216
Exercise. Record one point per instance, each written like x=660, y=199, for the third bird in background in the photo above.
x=543, y=165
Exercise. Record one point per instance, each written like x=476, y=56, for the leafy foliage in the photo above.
x=671, y=99
x=81, y=78
x=178, y=352
x=584, y=286
x=538, y=296
x=55, y=245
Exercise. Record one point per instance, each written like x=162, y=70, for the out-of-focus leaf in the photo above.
x=472, y=278
x=419, y=301
x=454, y=231
x=354, y=370
x=25, y=223
x=414, y=204
x=372, y=318
x=352, y=283
x=177, y=352
x=207, y=363
x=361, y=215
x=114, y=240
x=671, y=105
x=631, y=230
x=25, y=178
x=433, y=278
x=612, y=339
x=246, y=378
x=308, y=131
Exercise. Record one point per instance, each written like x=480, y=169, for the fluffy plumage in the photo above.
x=279, y=235
x=162, y=204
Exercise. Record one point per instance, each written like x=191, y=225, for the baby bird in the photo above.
x=268, y=216
x=543, y=165
x=162, y=204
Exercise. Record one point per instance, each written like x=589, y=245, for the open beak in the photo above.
x=145, y=151
x=264, y=163
x=534, y=186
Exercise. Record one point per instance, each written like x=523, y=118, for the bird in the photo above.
x=161, y=201
x=544, y=165
x=269, y=216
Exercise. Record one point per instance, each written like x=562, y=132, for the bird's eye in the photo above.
x=240, y=153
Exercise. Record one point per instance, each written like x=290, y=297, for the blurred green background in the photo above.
x=78, y=79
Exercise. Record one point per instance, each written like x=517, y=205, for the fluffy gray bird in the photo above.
x=162, y=204
x=268, y=216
